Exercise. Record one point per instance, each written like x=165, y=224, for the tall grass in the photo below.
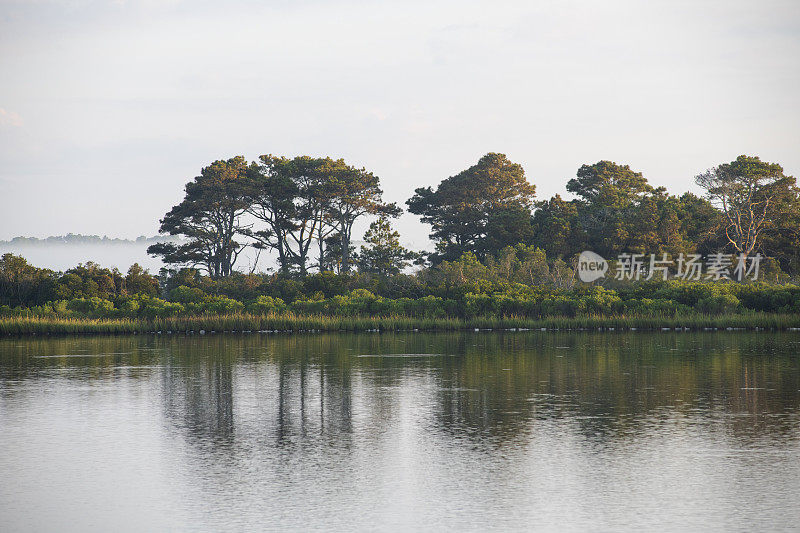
x=242, y=322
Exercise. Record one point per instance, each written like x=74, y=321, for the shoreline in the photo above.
x=290, y=323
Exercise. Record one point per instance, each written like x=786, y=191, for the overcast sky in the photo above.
x=108, y=108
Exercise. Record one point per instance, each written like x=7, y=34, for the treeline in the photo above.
x=750, y=207
x=78, y=239
x=499, y=252
x=303, y=210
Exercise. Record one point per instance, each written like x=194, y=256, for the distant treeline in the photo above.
x=75, y=239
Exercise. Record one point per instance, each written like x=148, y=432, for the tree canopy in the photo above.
x=755, y=199
x=308, y=200
x=480, y=209
x=304, y=209
x=208, y=217
x=382, y=252
x=289, y=204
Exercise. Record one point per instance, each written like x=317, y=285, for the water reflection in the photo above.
x=488, y=385
x=471, y=430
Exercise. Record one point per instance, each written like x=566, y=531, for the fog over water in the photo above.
x=121, y=255
x=65, y=256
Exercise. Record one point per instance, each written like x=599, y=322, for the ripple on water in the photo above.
x=80, y=355
x=389, y=355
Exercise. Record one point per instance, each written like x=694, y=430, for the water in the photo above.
x=472, y=431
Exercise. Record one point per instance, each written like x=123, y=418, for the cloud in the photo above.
x=9, y=118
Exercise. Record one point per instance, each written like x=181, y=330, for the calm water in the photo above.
x=473, y=431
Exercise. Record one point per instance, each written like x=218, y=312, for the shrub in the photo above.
x=94, y=307
x=719, y=304
x=158, y=308
x=264, y=305
x=184, y=294
x=222, y=306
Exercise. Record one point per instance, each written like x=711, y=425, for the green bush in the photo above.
x=158, y=308
x=719, y=304
x=184, y=295
x=221, y=305
x=93, y=307
x=264, y=305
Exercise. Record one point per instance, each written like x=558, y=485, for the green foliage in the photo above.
x=719, y=304
x=467, y=211
x=139, y=281
x=264, y=305
x=619, y=211
x=557, y=229
x=383, y=255
x=92, y=307
x=22, y=284
x=157, y=308
x=184, y=294
x=221, y=305
x=755, y=199
x=187, y=277
x=467, y=274
x=208, y=217
x=326, y=283
x=305, y=200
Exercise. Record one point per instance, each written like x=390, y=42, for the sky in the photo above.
x=108, y=108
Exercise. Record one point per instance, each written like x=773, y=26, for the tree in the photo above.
x=383, y=254
x=783, y=240
x=520, y=264
x=353, y=193
x=609, y=198
x=700, y=222
x=619, y=212
x=556, y=228
x=22, y=284
x=463, y=206
x=139, y=281
x=750, y=193
x=309, y=182
x=332, y=257
x=272, y=193
x=305, y=200
x=507, y=226
x=655, y=226
x=209, y=218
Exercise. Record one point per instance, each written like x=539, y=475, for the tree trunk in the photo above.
x=345, y=244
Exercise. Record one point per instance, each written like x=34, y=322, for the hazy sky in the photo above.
x=108, y=108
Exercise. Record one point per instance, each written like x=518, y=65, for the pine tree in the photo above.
x=383, y=254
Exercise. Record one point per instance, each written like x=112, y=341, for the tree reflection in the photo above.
x=321, y=390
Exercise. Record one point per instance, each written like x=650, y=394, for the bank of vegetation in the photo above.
x=454, y=294
x=501, y=259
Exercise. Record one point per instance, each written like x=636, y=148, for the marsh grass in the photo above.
x=289, y=322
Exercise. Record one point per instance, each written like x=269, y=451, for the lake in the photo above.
x=396, y=432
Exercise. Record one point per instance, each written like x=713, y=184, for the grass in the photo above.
x=21, y=326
